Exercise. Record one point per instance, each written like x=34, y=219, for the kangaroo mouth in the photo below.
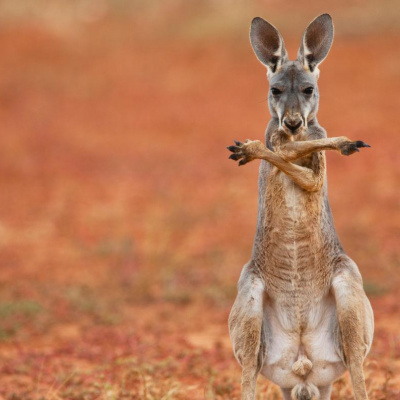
x=293, y=128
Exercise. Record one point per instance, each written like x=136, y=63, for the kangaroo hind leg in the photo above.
x=356, y=322
x=245, y=328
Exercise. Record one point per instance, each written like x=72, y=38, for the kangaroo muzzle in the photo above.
x=293, y=124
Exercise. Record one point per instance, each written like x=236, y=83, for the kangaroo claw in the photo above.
x=233, y=149
x=360, y=143
x=235, y=156
x=244, y=161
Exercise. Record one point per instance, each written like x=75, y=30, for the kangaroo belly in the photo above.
x=291, y=343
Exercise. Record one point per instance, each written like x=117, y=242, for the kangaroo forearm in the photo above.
x=304, y=177
x=291, y=151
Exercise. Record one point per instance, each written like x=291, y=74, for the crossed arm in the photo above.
x=306, y=178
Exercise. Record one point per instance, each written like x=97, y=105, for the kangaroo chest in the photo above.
x=292, y=240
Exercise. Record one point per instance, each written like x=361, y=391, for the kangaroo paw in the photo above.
x=349, y=148
x=246, y=152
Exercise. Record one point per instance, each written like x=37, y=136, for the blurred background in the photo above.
x=123, y=226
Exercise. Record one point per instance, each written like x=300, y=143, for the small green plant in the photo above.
x=373, y=289
x=14, y=314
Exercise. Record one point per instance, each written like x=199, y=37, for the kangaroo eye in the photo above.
x=275, y=91
x=308, y=90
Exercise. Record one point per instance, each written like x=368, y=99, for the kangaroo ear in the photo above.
x=268, y=44
x=316, y=42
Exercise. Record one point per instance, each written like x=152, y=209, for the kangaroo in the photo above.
x=301, y=316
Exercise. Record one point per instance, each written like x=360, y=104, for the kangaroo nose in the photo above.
x=292, y=124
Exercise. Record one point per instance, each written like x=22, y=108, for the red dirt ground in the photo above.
x=123, y=226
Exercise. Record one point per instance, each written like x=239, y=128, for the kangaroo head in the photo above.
x=293, y=96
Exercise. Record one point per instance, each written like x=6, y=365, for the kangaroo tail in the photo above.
x=305, y=391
